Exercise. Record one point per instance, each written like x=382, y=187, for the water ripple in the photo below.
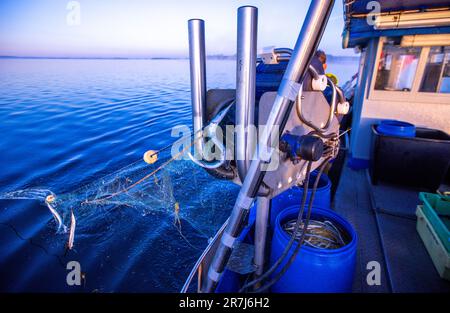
x=65, y=123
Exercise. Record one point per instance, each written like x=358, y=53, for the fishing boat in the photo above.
x=366, y=240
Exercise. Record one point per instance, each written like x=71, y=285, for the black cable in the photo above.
x=305, y=227
x=291, y=241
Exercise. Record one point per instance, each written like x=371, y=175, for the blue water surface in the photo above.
x=67, y=123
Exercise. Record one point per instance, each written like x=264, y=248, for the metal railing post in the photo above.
x=305, y=47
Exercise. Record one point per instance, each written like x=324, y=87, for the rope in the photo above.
x=58, y=257
x=146, y=176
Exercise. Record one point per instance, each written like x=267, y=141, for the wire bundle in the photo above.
x=295, y=232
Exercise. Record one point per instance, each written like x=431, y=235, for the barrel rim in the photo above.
x=396, y=128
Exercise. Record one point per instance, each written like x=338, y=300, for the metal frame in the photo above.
x=197, y=62
x=307, y=42
x=261, y=226
x=247, y=27
x=315, y=75
x=203, y=260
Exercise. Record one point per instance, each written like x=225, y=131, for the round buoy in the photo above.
x=50, y=198
x=150, y=157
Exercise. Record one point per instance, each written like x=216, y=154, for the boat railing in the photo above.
x=203, y=261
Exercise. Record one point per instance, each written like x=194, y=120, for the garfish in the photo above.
x=55, y=213
x=73, y=224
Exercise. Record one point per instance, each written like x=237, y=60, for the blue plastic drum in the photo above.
x=294, y=195
x=396, y=128
x=315, y=270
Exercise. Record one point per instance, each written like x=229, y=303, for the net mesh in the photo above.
x=138, y=229
x=172, y=187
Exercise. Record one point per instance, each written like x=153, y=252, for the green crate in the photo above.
x=437, y=210
x=434, y=246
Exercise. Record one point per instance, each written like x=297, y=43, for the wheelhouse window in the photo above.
x=397, y=67
x=436, y=77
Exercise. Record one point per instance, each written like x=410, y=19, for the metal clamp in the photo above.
x=213, y=275
x=210, y=132
x=228, y=240
x=289, y=89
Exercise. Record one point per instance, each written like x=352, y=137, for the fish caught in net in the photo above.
x=171, y=186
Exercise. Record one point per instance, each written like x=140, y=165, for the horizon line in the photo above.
x=213, y=56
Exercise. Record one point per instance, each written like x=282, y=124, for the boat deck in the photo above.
x=384, y=218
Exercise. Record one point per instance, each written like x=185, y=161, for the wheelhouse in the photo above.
x=404, y=70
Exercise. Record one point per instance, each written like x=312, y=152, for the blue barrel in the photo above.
x=396, y=128
x=315, y=270
x=294, y=195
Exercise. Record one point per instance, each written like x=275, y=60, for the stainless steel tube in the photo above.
x=261, y=226
x=197, y=56
x=307, y=42
x=245, y=87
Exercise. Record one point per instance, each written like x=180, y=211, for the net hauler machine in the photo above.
x=281, y=94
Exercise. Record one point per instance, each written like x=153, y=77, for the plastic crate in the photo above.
x=439, y=255
x=437, y=210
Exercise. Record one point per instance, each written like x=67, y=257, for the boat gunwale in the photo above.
x=212, y=246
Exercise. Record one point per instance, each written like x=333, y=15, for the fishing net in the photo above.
x=139, y=228
x=172, y=189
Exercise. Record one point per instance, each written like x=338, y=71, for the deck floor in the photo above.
x=384, y=218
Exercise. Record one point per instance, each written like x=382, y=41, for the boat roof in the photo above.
x=357, y=32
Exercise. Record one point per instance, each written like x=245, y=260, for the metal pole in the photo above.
x=245, y=87
x=196, y=28
x=262, y=217
x=307, y=42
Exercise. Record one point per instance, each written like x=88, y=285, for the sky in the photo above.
x=148, y=28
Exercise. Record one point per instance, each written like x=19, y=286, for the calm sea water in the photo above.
x=66, y=123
